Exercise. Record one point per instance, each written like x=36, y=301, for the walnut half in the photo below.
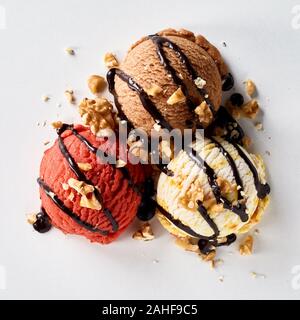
x=98, y=114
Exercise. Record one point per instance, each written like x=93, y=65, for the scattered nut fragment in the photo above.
x=80, y=186
x=96, y=84
x=255, y=275
x=215, y=263
x=145, y=233
x=120, y=163
x=157, y=127
x=204, y=113
x=90, y=202
x=154, y=90
x=110, y=60
x=71, y=196
x=224, y=185
x=137, y=149
x=176, y=97
x=98, y=114
x=200, y=83
x=259, y=126
x=246, y=247
x=84, y=166
x=70, y=51
x=69, y=94
x=65, y=186
x=221, y=278
x=256, y=231
x=250, y=109
x=208, y=257
x=45, y=98
x=165, y=149
x=46, y=143
x=186, y=244
x=268, y=153
x=250, y=88
x=31, y=218
x=57, y=124
x=246, y=141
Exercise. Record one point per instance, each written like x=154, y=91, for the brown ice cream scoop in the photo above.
x=172, y=78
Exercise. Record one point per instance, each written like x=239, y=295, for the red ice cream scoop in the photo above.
x=81, y=193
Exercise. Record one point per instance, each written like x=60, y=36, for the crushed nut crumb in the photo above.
x=204, y=113
x=176, y=97
x=200, y=83
x=259, y=126
x=255, y=275
x=246, y=141
x=31, y=218
x=120, y=163
x=250, y=88
x=65, y=186
x=46, y=143
x=84, y=166
x=246, y=247
x=250, y=109
x=110, y=60
x=45, y=98
x=96, y=84
x=145, y=233
x=187, y=245
x=70, y=51
x=154, y=90
x=57, y=124
x=69, y=94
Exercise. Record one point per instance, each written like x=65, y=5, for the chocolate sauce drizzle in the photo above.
x=262, y=189
x=161, y=42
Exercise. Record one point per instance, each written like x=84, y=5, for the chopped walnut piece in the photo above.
x=98, y=114
x=45, y=98
x=250, y=109
x=110, y=60
x=208, y=257
x=84, y=166
x=204, y=113
x=65, y=186
x=246, y=142
x=250, y=88
x=69, y=94
x=31, y=218
x=70, y=51
x=185, y=244
x=246, y=247
x=137, y=149
x=71, y=196
x=80, y=186
x=90, y=202
x=57, y=124
x=224, y=185
x=145, y=233
x=176, y=97
x=200, y=83
x=259, y=126
x=165, y=149
x=96, y=84
x=120, y=163
x=154, y=90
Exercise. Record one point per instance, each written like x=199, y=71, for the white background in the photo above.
x=261, y=45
